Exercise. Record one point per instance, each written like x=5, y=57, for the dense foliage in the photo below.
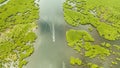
x=17, y=25
x=104, y=15
x=1, y=1
x=17, y=12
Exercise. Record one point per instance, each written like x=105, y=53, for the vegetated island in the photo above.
x=104, y=16
x=17, y=32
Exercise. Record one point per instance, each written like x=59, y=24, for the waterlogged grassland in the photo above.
x=104, y=15
x=78, y=61
x=82, y=42
x=17, y=27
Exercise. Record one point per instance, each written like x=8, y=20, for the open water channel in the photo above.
x=51, y=50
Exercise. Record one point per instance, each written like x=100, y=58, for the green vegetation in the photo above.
x=91, y=65
x=73, y=38
x=81, y=41
x=74, y=61
x=77, y=61
x=17, y=12
x=97, y=50
x=90, y=29
x=104, y=15
x=1, y=1
x=17, y=43
x=114, y=62
x=118, y=59
x=17, y=25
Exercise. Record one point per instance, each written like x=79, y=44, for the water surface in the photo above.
x=51, y=50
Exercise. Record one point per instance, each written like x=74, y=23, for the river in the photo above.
x=51, y=50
